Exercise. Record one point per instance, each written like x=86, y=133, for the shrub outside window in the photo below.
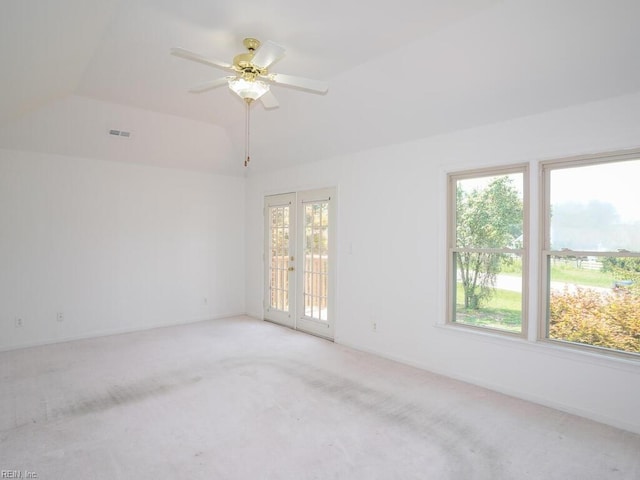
x=591, y=252
x=487, y=249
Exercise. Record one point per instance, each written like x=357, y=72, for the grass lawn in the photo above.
x=502, y=311
x=568, y=273
x=580, y=276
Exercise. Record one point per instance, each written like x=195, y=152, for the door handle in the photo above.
x=291, y=269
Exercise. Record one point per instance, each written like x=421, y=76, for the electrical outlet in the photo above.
x=374, y=326
x=60, y=316
x=18, y=322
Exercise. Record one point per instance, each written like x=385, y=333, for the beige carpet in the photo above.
x=244, y=399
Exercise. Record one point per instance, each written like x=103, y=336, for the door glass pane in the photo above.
x=595, y=207
x=279, y=262
x=316, y=258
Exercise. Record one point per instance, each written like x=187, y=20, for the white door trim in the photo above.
x=320, y=324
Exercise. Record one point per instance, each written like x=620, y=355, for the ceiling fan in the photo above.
x=251, y=79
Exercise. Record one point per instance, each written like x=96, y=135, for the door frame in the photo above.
x=296, y=319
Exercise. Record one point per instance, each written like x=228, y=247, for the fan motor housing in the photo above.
x=243, y=64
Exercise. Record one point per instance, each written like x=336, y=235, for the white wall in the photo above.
x=391, y=261
x=114, y=246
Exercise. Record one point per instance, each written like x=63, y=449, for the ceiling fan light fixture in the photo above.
x=246, y=70
x=248, y=90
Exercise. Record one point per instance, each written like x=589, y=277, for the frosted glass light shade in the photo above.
x=245, y=89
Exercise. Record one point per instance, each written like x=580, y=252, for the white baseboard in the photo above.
x=112, y=331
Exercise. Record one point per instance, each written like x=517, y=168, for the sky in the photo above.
x=616, y=183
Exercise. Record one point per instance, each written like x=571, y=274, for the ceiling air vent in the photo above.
x=119, y=133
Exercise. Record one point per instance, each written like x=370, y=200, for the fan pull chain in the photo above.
x=246, y=136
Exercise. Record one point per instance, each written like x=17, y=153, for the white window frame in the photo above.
x=545, y=168
x=452, y=178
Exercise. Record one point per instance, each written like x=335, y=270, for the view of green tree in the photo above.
x=489, y=217
x=316, y=227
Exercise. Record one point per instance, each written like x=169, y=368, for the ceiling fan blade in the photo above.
x=182, y=53
x=269, y=100
x=315, y=86
x=218, y=82
x=268, y=53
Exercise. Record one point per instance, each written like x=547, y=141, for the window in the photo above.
x=591, y=252
x=487, y=245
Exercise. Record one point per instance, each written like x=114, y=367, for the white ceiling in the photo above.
x=399, y=71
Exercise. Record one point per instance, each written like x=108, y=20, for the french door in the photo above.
x=280, y=236
x=300, y=260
